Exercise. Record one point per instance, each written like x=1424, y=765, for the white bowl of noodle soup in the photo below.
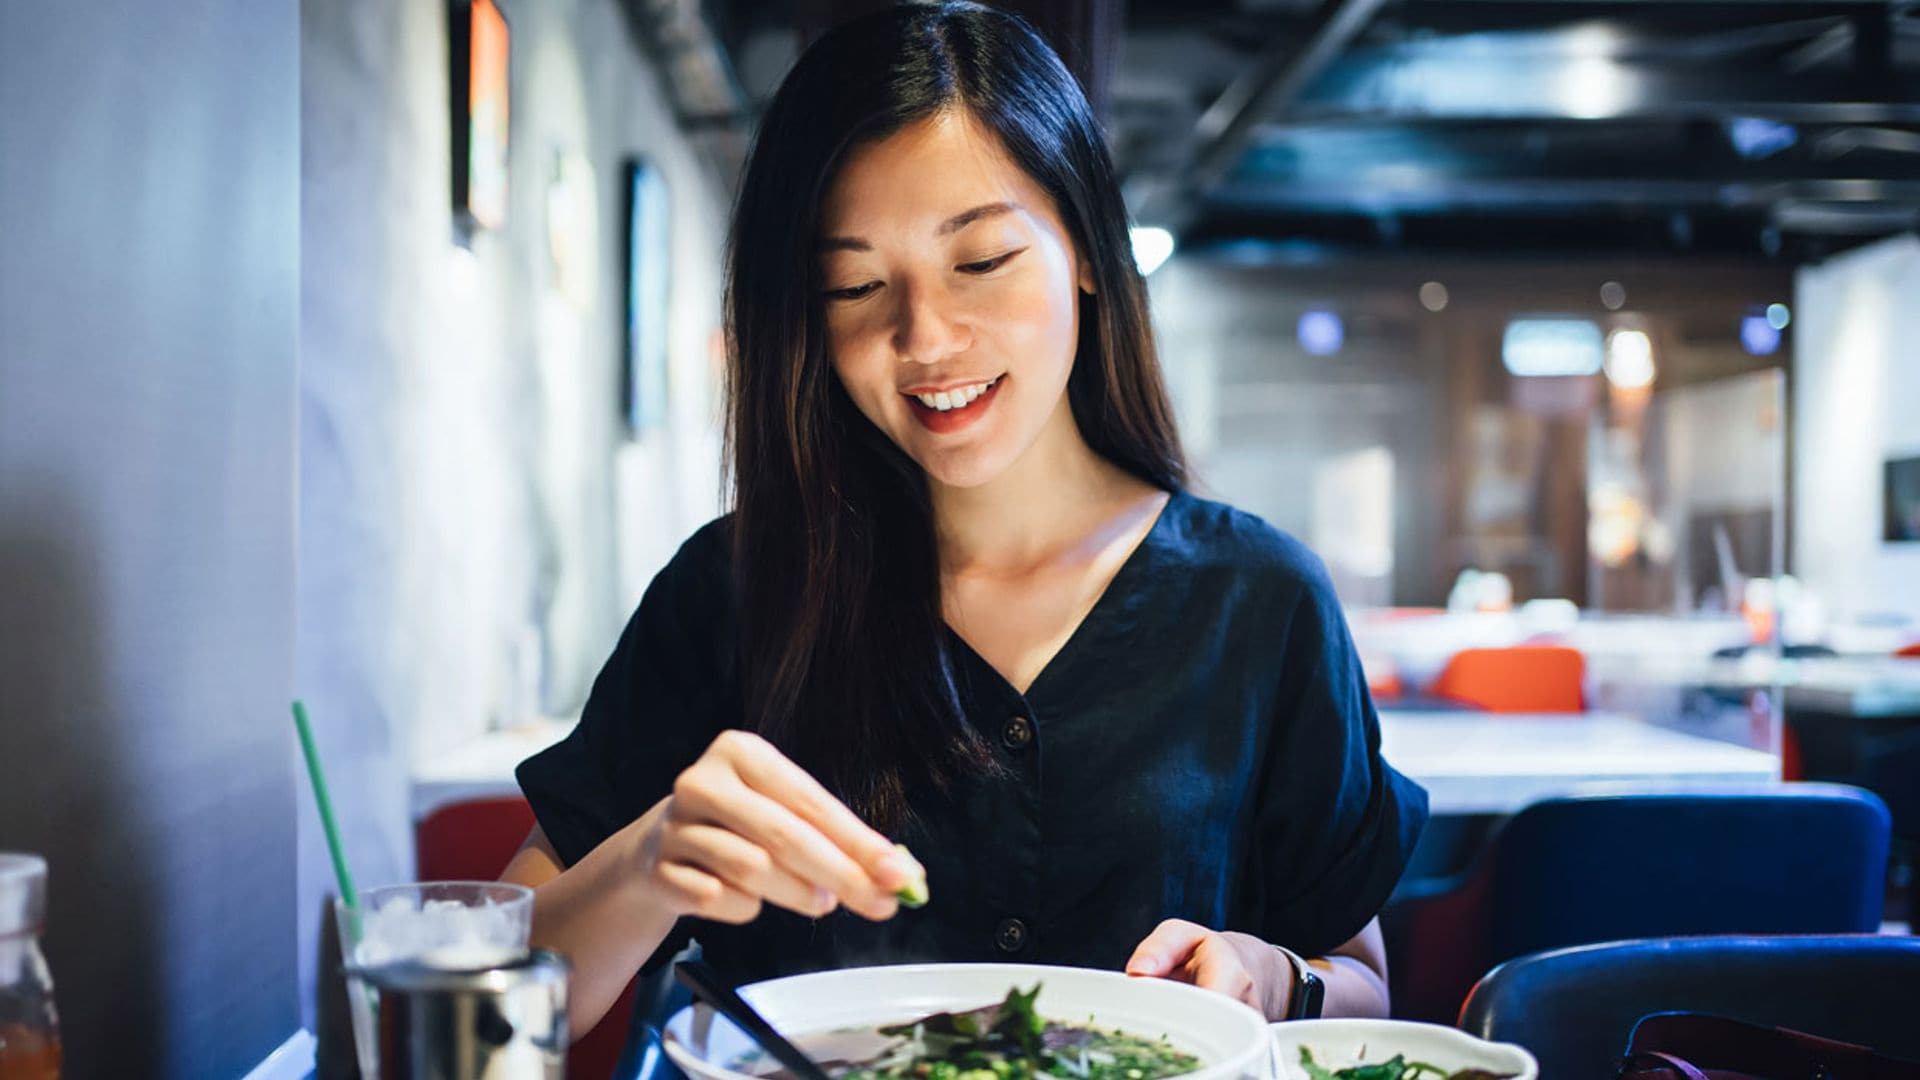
x=1230, y=1040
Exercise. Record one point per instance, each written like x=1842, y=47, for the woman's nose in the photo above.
x=925, y=329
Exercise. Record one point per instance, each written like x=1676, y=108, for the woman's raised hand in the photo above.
x=745, y=826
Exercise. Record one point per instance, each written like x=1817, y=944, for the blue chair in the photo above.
x=1783, y=859
x=660, y=996
x=1575, y=1008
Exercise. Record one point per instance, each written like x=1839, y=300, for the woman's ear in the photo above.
x=1086, y=277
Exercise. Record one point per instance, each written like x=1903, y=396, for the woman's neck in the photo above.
x=1054, y=499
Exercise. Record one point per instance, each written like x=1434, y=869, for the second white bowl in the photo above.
x=1338, y=1044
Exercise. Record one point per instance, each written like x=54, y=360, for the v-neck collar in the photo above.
x=1118, y=588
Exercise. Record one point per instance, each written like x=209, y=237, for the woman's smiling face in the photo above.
x=952, y=297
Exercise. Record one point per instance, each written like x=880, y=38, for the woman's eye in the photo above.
x=852, y=292
x=987, y=265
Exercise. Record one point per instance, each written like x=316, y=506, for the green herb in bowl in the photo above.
x=1005, y=1041
x=1395, y=1068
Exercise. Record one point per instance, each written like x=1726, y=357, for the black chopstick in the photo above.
x=708, y=987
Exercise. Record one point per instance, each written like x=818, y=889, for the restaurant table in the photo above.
x=481, y=768
x=1470, y=762
x=1865, y=688
x=1475, y=762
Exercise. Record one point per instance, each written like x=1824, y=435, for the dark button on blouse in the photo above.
x=1017, y=734
x=1010, y=935
x=1211, y=754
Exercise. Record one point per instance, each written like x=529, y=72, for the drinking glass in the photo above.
x=458, y=925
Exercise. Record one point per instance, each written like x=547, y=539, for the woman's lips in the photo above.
x=942, y=422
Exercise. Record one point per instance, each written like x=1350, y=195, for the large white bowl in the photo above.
x=1336, y=1044
x=1230, y=1039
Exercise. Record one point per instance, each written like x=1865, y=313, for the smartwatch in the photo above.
x=1309, y=992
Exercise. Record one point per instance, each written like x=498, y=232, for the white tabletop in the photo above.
x=1496, y=763
x=482, y=768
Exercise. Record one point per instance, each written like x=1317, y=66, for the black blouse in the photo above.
x=1203, y=747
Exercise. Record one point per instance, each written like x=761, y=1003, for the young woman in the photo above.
x=963, y=600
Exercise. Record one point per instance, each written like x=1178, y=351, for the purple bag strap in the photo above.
x=1727, y=1046
x=1639, y=1065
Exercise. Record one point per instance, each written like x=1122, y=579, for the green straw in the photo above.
x=347, y=894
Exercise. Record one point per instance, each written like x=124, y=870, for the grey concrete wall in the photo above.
x=475, y=526
x=148, y=259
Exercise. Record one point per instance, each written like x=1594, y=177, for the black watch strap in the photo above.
x=1309, y=992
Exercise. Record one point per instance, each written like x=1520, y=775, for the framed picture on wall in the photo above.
x=478, y=43
x=648, y=256
x=1903, y=500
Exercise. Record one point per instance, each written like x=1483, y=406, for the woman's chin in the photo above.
x=970, y=468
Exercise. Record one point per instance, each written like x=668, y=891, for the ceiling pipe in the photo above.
x=1267, y=90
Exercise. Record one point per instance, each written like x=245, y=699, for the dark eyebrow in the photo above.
x=947, y=228
x=961, y=220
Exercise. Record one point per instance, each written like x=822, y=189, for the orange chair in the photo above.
x=1385, y=687
x=474, y=841
x=1522, y=678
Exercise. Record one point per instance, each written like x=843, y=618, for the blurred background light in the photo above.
x=1591, y=83
x=1433, y=296
x=1613, y=295
x=1630, y=359
x=1549, y=346
x=1778, y=316
x=1754, y=138
x=1758, y=336
x=1152, y=246
x=1321, y=332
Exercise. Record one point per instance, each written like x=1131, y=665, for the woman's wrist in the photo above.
x=1280, y=989
x=636, y=884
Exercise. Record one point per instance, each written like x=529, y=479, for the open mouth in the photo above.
x=951, y=410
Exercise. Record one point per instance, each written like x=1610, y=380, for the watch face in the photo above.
x=1309, y=995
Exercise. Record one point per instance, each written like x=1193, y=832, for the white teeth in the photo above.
x=947, y=400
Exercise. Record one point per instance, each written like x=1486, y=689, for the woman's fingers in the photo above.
x=765, y=769
x=712, y=793
x=1165, y=952
x=1190, y=953
x=747, y=867
x=706, y=896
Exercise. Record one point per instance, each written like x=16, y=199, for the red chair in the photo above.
x=1911, y=652
x=474, y=841
x=1522, y=678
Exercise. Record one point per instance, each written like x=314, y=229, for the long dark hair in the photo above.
x=844, y=657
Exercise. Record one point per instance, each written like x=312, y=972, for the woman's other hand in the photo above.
x=1238, y=965
x=1250, y=969
x=745, y=826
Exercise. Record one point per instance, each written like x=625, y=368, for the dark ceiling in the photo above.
x=1783, y=129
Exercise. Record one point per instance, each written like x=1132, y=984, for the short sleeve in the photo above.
x=656, y=705
x=1336, y=825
